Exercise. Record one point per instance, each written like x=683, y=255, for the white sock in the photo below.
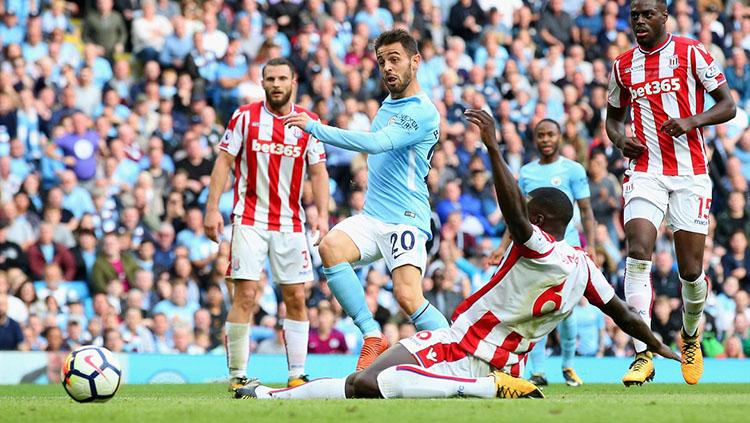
x=409, y=381
x=238, y=348
x=693, y=300
x=638, y=292
x=295, y=338
x=314, y=389
x=374, y=334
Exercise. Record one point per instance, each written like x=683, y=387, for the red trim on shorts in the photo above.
x=422, y=372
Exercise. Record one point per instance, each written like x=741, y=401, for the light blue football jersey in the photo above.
x=565, y=175
x=400, y=146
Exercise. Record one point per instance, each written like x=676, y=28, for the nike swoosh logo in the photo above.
x=88, y=360
x=399, y=255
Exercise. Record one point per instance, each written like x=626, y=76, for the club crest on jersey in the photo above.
x=236, y=264
x=674, y=62
x=556, y=181
x=296, y=132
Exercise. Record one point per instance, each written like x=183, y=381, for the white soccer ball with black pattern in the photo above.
x=91, y=373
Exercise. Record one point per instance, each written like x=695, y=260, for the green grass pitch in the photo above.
x=717, y=403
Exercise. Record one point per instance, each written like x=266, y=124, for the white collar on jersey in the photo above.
x=275, y=115
x=658, y=48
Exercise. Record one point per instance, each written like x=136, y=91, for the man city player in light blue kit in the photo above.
x=396, y=221
x=553, y=170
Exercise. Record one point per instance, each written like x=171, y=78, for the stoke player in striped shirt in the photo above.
x=482, y=354
x=664, y=81
x=270, y=163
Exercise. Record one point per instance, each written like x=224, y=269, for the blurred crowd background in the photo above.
x=111, y=110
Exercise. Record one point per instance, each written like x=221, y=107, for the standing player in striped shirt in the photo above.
x=664, y=80
x=482, y=354
x=396, y=221
x=270, y=163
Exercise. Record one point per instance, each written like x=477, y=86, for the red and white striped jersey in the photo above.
x=535, y=287
x=668, y=82
x=270, y=166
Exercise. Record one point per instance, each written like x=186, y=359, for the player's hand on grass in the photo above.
x=297, y=119
x=678, y=127
x=666, y=352
x=213, y=224
x=486, y=124
x=632, y=148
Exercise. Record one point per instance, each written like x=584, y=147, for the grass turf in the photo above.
x=188, y=403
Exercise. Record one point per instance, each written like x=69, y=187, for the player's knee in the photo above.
x=329, y=253
x=638, y=250
x=295, y=302
x=690, y=273
x=408, y=298
x=244, y=296
x=366, y=385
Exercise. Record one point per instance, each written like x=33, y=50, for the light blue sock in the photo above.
x=568, y=334
x=348, y=291
x=538, y=356
x=427, y=317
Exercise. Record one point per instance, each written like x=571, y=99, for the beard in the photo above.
x=405, y=79
x=278, y=104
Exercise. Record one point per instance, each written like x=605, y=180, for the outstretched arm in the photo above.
x=400, y=134
x=632, y=324
x=509, y=197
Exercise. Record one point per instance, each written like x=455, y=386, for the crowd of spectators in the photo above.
x=110, y=113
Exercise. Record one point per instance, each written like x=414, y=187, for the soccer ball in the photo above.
x=90, y=373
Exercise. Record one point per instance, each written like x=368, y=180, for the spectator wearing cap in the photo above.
x=112, y=265
x=11, y=31
x=46, y=251
x=149, y=32
x=177, y=45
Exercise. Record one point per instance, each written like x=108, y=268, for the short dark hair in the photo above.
x=279, y=61
x=552, y=121
x=555, y=203
x=397, y=36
